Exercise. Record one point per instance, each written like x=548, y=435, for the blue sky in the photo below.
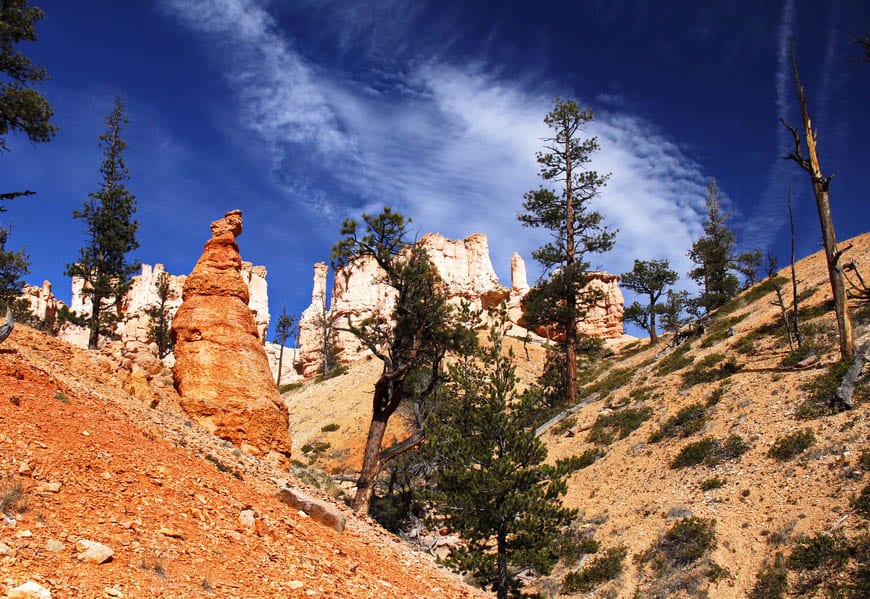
x=304, y=113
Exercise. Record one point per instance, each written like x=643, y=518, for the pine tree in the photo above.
x=671, y=311
x=110, y=233
x=748, y=264
x=575, y=229
x=713, y=255
x=411, y=342
x=650, y=278
x=491, y=482
x=159, y=330
x=13, y=266
x=21, y=107
x=285, y=329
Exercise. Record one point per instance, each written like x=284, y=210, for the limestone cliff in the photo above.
x=466, y=269
x=221, y=369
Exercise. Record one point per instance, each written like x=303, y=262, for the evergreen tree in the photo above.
x=713, y=256
x=285, y=329
x=21, y=107
x=575, y=230
x=748, y=264
x=13, y=266
x=650, y=278
x=671, y=311
x=159, y=331
x=491, y=481
x=110, y=233
x=411, y=342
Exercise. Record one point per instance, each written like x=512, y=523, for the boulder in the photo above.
x=221, y=370
x=319, y=511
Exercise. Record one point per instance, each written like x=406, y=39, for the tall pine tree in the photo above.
x=575, y=229
x=713, y=256
x=491, y=482
x=110, y=231
x=411, y=342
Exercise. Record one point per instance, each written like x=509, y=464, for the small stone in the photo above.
x=320, y=511
x=107, y=475
x=29, y=590
x=54, y=546
x=6, y=549
x=247, y=519
x=93, y=552
x=113, y=592
x=295, y=584
x=52, y=487
x=172, y=532
x=24, y=469
x=24, y=534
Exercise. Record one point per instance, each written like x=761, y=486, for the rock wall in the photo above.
x=42, y=303
x=221, y=369
x=466, y=269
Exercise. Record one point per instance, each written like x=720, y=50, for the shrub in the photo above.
x=564, y=425
x=601, y=569
x=687, y=421
x=713, y=483
x=61, y=397
x=290, y=387
x=772, y=580
x=799, y=354
x=821, y=390
x=328, y=428
x=618, y=425
x=718, y=330
x=711, y=368
x=686, y=542
x=790, y=446
x=574, y=545
x=676, y=360
x=754, y=293
x=609, y=383
x=589, y=457
x=861, y=504
x=716, y=396
x=864, y=459
x=710, y=451
x=818, y=551
x=12, y=496
x=694, y=453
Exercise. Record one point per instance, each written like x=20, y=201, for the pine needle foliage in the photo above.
x=491, y=483
x=110, y=233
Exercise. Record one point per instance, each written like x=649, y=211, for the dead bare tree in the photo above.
x=821, y=189
x=779, y=302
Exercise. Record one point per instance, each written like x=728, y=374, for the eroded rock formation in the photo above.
x=466, y=269
x=42, y=302
x=221, y=370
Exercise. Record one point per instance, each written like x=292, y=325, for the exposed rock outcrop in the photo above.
x=221, y=370
x=42, y=303
x=466, y=269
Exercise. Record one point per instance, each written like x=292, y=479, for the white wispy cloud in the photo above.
x=452, y=145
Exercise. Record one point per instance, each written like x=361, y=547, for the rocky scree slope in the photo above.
x=184, y=514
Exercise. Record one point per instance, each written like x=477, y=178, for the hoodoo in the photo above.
x=221, y=370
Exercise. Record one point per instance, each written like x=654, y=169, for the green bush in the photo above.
x=564, y=425
x=609, y=383
x=754, y=293
x=329, y=428
x=713, y=483
x=676, y=360
x=711, y=368
x=710, y=452
x=686, y=542
x=799, y=354
x=618, y=425
x=574, y=545
x=716, y=396
x=694, y=453
x=601, y=569
x=589, y=457
x=861, y=504
x=290, y=387
x=687, y=421
x=822, y=550
x=821, y=390
x=864, y=459
x=790, y=446
x=772, y=580
x=718, y=330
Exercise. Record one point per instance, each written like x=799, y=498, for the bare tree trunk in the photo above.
x=821, y=187
x=653, y=334
x=780, y=301
x=280, y=361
